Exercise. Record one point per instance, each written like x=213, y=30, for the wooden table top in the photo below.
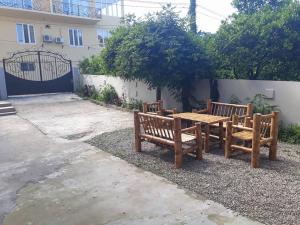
x=205, y=118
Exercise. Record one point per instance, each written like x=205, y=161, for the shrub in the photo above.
x=234, y=100
x=132, y=104
x=108, y=95
x=88, y=91
x=290, y=134
x=260, y=105
x=92, y=65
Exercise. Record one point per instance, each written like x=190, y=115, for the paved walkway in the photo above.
x=46, y=179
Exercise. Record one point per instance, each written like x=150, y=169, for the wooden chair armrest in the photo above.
x=242, y=128
x=202, y=111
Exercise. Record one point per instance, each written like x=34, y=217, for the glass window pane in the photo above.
x=71, y=36
x=80, y=37
x=27, y=4
x=66, y=7
x=31, y=32
x=20, y=37
x=76, y=37
x=26, y=36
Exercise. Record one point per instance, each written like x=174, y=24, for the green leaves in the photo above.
x=263, y=44
x=158, y=50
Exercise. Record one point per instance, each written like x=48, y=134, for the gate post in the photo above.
x=3, y=90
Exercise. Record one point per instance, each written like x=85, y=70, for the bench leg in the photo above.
x=221, y=135
x=199, y=142
x=178, y=156
x=206, y=143
x=255, y=154
x=273, y=150
x=137, y=138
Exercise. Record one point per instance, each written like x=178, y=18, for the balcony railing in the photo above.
x=75, y=10
x=58, y=7
x=21, y=4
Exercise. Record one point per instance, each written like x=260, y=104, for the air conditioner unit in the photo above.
x=59, y=40
x=47, y=38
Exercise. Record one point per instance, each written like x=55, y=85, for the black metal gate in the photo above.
x=35, y=72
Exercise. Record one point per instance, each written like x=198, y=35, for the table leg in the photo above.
x=221, y=135
x=207, y=131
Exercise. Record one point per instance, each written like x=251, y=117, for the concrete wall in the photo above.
x=129, y=89
x=285, y=94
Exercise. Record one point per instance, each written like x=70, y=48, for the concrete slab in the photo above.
x=98, y=188
x=46, y=179
x=68, y=116
x=26, y=156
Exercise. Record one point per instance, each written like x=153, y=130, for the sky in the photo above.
x=210, y=13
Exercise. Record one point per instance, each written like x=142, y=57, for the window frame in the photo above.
x=23, y=34
x=72, y=30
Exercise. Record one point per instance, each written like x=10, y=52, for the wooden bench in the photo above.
x=167, y=131
x=262, y=130
x=227, y=110
x=157, y=108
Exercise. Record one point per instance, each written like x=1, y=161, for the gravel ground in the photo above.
x=270, y=194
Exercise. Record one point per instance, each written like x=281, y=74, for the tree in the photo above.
x=158, y=51
x=261, y=45
x=252, y=6
x=193, y=16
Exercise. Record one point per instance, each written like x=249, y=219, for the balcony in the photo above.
x=26, y=4
x=61, y=7
x=60, y=10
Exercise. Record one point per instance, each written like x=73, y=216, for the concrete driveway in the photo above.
x=49, y=176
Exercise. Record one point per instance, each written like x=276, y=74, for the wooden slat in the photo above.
x=243, y=135
x=159, y=139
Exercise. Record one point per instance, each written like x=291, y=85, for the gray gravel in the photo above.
x=270, y=194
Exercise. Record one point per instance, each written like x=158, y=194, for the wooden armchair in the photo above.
x=263, y=130
x=157, y=108
x=167, y=131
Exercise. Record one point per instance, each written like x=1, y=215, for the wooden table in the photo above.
x=207, y=120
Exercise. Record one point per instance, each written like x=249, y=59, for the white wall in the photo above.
x=286, y=94
x=130, y=89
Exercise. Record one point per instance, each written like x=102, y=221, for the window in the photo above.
x=27, y=66
x=75, y=36
x=102, y=36
x=25, y=33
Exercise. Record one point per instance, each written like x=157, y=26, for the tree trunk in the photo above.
x=158, y=93
x=185, y=98
x=214, y=91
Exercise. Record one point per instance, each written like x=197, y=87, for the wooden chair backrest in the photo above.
x=228, y=110
x=153, y=107
x=157, y=126
x=267, y=124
